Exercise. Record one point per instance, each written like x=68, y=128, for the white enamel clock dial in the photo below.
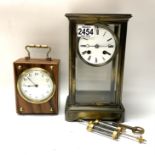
x=36, y=85
x=98, y=49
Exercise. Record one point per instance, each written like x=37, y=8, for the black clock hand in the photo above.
x=31, y=85
x=87, y=45
x=83, y=45
x=105, y=52
x=97, y=46
x=34, y=84
x=109, y=45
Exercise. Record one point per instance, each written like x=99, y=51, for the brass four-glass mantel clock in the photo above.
x=96, y=62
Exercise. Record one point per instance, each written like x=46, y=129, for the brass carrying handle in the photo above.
x=27, y=48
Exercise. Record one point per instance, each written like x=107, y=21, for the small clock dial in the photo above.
x=99, y=49
x=36, y=85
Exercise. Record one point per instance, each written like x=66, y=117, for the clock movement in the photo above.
x=96, y=63
x=36, y=83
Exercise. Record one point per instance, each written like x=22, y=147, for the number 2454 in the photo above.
x=85, y=31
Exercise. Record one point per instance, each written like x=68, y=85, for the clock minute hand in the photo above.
x=87, y=45
x=31, y=85
x=97, y=45
x=106, y=45
x=109, y=46
x=32, y=82
x=83, y=45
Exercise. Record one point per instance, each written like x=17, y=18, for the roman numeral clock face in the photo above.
x=97, y=44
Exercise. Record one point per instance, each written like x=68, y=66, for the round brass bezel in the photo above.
x=116, y=48
x=33, y=101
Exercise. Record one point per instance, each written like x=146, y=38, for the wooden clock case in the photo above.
x=51, y=66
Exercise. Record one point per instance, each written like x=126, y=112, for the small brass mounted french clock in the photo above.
x=36, y=83
x=96, y=63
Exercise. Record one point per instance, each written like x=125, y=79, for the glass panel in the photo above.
x=94, y=84
x=92, y=78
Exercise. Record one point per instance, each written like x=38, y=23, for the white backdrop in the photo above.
x=43, y=22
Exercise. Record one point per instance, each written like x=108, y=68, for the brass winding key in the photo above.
x=135, y=129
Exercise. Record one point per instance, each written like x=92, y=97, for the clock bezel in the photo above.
x=115, y=51
x=33, y=101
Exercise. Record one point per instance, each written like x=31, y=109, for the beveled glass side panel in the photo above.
x=91, y=77
x=95, y=85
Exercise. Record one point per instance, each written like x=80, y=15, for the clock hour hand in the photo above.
x=105, y=52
